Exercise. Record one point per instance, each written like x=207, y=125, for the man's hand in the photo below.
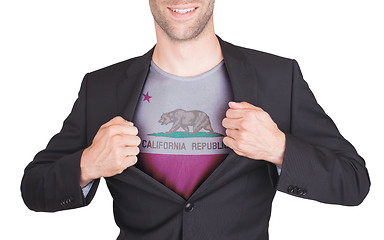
x=252, y=133
x=113, y=149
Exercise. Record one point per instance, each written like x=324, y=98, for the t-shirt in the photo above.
x=180, y=125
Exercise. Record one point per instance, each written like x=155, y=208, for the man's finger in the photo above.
x=229, y=142
x=233, y=133
x=130, y=160
x=130, y=151
x=127, y=140
x=230, y=132
x=236, y=113
x=121, y=129
x=231, y=123
x=117, y=120
x=232, y=143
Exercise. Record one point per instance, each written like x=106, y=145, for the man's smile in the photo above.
x=182, y=12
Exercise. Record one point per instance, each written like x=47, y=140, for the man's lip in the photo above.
x=185, y=6
x=182, y=15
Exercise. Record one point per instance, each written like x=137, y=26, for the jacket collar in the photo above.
x=242, y=75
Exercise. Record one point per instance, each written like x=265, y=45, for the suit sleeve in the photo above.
x=51, y=182
x=319, y=163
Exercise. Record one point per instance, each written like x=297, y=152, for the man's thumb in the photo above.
x=241, y=105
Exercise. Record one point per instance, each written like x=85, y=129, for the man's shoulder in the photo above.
x=120, y=70
x=254, y=56
x=114, y=70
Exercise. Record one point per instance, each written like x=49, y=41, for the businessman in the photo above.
x=194, y=138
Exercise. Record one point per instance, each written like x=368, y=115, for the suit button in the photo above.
x=291, y=189
x=189, y=207
x=302, y=191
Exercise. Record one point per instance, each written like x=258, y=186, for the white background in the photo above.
x=47, y=47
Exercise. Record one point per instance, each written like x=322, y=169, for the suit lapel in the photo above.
x=129, y=88
x=242, y=75
x=243, y=79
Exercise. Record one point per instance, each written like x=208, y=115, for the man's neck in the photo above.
x=187, y=58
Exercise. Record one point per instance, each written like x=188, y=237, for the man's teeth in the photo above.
x=183, y=10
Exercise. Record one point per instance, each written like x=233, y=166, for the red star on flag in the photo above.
x=146, y=97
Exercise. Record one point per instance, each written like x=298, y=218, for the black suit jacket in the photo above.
x=235, y=201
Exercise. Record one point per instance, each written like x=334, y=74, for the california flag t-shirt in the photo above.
x=179, y=122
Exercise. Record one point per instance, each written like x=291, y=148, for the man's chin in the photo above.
x=184, y=36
